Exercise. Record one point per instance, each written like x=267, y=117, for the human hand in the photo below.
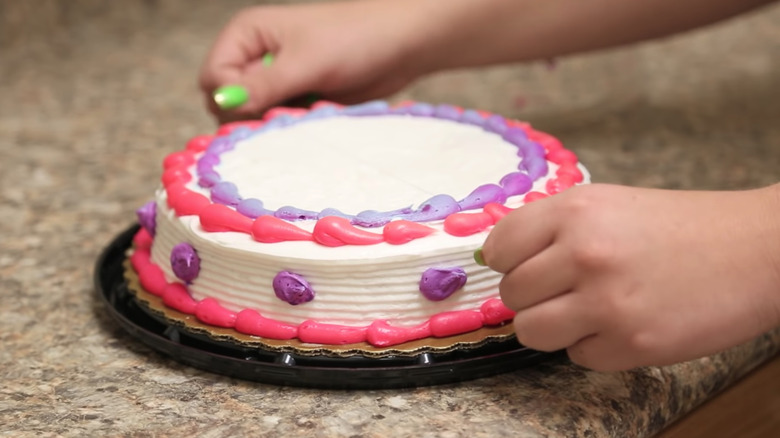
x=625, y=277
x=347, y=52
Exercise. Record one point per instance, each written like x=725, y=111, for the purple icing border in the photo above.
x=532, y=166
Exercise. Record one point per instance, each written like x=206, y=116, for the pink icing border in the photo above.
x=249, y=321
x=334, y=231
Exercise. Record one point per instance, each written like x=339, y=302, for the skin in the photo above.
x=620, y=277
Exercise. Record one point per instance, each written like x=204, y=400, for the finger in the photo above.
x=283, y=80
x=235, y=48
x=538, y=279
x=601, y=354
x=520, y=235
x=555, y=324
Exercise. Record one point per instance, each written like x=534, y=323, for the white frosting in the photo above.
x=366, y=163
x=353, y=164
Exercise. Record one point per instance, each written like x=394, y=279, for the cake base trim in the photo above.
x=154, y=305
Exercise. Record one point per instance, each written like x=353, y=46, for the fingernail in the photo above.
x=479, y=258
x=268, y=59
x=231, y=96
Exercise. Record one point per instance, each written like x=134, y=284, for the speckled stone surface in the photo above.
x=95, y=93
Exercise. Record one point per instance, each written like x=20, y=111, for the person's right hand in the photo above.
x=346, y=52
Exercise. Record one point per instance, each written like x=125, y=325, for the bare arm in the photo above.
x=479, y=32
x=354, y=51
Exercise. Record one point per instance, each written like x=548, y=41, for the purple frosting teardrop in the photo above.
x=437, y=284
x=472, y=117
x=207, y=163
x=292, y=288
x=252, y=208
x=147, y=217
x=225, y=193
x=421, y=109
x=290, y=213
x=535, y=167
x=516, y=183
x=496, y=124
x=220, y=145
x=482, y=195
x=332, y=212
x=208, y=178
x=185, y=262
x=373, y=108
x=446, y=112
x=436, y=208
x=516, y=136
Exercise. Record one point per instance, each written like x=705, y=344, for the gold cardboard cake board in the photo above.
x=189, y=323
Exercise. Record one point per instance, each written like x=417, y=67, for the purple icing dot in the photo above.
x=147, y=217
x=252, y=208
x=295, y=214
x=421, y=109
x=437, y=284
x=447, y=112
x=225, y=193
x=516, y=183
x=185, y=262
x=496, y=124
x=373, y=108
x=292, y=288
x=482, y=195
x=436, y=208
x=472, y=117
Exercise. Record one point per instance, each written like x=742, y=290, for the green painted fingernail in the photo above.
x=479, y=258
x=312, y=98
x=268, y=59
x=231, y=96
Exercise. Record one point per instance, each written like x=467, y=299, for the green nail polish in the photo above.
x=268, y=59
x=231, y=96
x=312, y=98
x=479, y=258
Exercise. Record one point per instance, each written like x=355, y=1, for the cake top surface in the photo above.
x=365, y=174
x=358, y=163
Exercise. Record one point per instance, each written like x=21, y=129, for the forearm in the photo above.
x=771, y=219
x=462, y=33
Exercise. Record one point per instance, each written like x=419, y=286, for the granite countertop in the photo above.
x=95, y=94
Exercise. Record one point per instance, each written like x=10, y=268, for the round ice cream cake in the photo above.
x=344, y=225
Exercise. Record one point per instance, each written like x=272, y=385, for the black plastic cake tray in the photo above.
x=288, y=369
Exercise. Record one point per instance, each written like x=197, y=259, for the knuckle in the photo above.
x=526, y=335
x=643, y=344
x=594, y=254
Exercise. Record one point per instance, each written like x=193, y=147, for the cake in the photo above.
x=335, y=226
